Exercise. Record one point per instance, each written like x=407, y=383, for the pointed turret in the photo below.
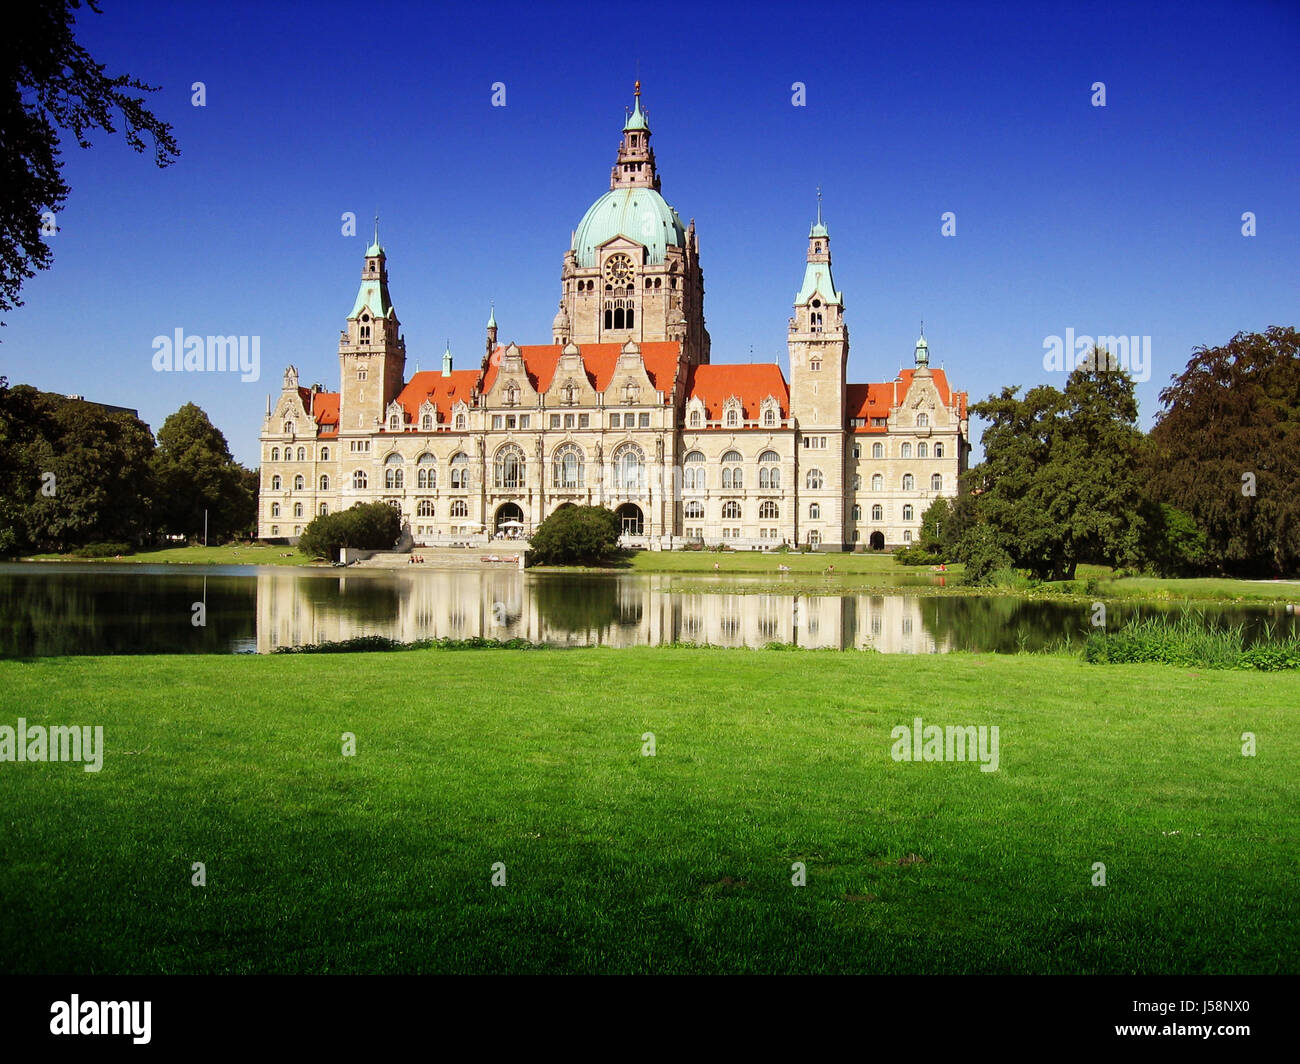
x=817, y=279
x=922, y=354
x=635, y=167
x=446, y=361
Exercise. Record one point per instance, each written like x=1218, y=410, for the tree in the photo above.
x=944, y=523
x=365, y=526
x=50, y=82
x=1172, y=545
x=72, y=473
x=1226, y=449
x=195, y=472
x=1060, y=480
x=575, y=535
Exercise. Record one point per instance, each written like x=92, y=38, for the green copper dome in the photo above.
x=639, y=214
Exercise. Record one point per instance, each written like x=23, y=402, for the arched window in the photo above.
x=769, y=418
x=359, y=479
x=324, y=482
x=567, y=467
x=393, y=475
x=695, y=420
x=813, y=479
x=288, y=428
x=694, y=511
x=906, y=451
x=302, y=454
x=769, y=471
x=877, y=512
x=877, y=450
x=732, y=474
x=299, y=482
x=733, y=417
x=693, y=476
x=424, y=508
x=909, y=482
x=323, y=509
x=426, y=422
x=907, y=512
x=275, y=482
x=509, y=470
x=877, y=482
x=938, y=450
x=275, y=530
x=459, y=508
x=857, y=512
x=460, y=422
x=395, y=423
x=768, y=510
x=922, y=421
x=460, y=471
x=629, y=468
x=731, y=511
x=426, y=473
x=324, y=454
x=936, y=482
x=275, y=454
x=814, y=512
x=922, y=450
x=275, y=509
x=297, y=509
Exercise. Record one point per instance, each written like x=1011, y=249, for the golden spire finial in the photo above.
x=637, y=90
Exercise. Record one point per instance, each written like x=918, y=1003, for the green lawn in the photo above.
x=242, y=554
x=616, y=862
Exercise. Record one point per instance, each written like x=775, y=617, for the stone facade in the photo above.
x=622, y=409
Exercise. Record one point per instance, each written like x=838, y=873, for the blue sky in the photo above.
x=1123, y=219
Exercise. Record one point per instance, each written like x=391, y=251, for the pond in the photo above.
x=60, y=608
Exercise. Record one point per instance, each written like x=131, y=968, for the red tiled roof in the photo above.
x=443, y=392
x=750, y=382
x=323, y=408
x=878, y=398
x=540, y=360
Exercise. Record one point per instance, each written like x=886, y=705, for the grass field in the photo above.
x=618, y=862
x=242, y=554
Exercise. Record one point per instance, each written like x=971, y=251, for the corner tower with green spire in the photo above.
x=818, y=342
x=372, y=351
x=632, y=270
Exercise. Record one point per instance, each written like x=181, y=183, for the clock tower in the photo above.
x=632, y=271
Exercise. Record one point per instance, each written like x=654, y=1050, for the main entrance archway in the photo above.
x=631, y=520
x=509, y=521
x=877, y=541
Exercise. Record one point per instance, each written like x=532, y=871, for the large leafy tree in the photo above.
x=48, y=83
x=196, y=473
x=1060, y=482
x=575, y=535
x=73, y=473
x=1226, y=450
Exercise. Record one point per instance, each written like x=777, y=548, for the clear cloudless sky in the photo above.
x=1123, y=219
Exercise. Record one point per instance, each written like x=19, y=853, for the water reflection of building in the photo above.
x=295, y=608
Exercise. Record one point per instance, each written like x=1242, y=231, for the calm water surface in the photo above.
x=59, y=608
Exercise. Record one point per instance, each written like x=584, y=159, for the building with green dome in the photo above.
x=623, y=408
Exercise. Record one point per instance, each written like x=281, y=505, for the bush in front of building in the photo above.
x=575, y=535
x=366, y=526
